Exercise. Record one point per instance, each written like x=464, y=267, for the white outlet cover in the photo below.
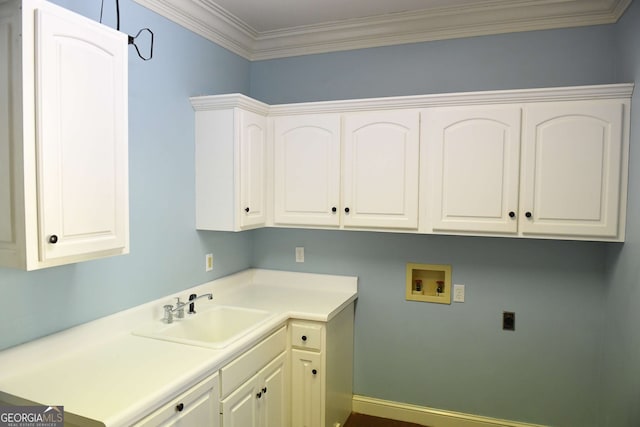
x=208, y=262
x=458, y=293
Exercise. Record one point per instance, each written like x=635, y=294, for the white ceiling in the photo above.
x=264, y=29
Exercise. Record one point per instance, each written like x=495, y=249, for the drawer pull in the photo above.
x=304, y=338
x=314, y=371
x=179, y=407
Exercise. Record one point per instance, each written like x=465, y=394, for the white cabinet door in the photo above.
x=261, y=401
x=473, y=164
x=274, y=400
x=381, y=169
x=307, y=406
x=195, y=407
x=240, y=408
x=81, y=136
x=253, y=168
x=307, y=170
x=571, y=178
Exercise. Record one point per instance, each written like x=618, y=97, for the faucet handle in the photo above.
x=180, y=308
x=168, y=314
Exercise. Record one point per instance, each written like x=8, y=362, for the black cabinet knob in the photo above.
x=334, y=209
x=527, y=214
x=247, y=209
x=259, y=395
x=314, y=371
x=264, y=390
x=346, y=210
x=179, y=407
x=304, y=338
x=53, y=239
x=512, y=214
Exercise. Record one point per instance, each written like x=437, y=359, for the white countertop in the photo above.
x=104, y=375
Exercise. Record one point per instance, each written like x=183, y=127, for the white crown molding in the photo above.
x=226, y=101
x=211, y=21
x=517, y=96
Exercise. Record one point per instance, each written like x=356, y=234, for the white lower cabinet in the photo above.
x=322, y=370
x=196, y=407
x=254, y=387
x=260, y=401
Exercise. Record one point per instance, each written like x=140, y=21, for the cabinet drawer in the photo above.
x=246, y=365
x=198, y=403
x=307, y=335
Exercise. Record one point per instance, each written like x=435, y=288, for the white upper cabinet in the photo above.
x=380, y=169
x=231, y=163
x=307, y=170
x=253, y=168
x=68, y=192
x=472, y=157
x=572, y=169
x=534, y=163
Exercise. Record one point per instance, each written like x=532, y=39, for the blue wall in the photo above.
x=574, y=357
x=167, y=253
x=514, y=61
x=621, y=392
x=457, y=357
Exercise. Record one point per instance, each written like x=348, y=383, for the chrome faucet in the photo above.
x=192, y=301
x=169, y=310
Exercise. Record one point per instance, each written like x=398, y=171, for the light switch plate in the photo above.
x=208, y=262
x=299, y=254
x=458, y=293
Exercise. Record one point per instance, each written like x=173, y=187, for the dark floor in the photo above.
x=360, y=420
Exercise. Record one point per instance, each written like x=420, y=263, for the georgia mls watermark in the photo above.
x=31, y=416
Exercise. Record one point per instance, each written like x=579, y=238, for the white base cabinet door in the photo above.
x=196, y=407
x=306, y=401
x=261, y=400
x=66, y=186
x=572, y=169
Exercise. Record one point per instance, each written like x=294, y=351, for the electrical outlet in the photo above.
x=299, y=254
x=508, y=321
x=458, y=293
x=208, y=262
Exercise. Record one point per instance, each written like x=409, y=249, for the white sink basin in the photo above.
x=216, y=327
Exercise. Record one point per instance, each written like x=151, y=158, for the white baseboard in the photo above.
x=426, y=416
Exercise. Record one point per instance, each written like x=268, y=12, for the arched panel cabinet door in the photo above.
x=81, y=135
x=380, y=169
x=63, y=137
x=307, y=170
x=253, y=168
x=572, y=169
x=473, y=161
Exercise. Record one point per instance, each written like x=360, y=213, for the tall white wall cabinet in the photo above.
x=536, y=163
x=63, y=137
